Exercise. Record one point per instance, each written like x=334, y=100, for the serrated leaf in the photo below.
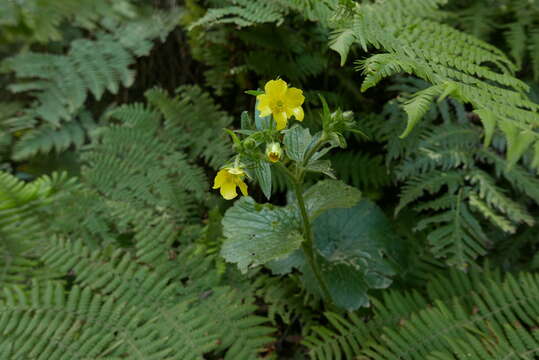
x=351, y=244
x=257, y=234
x=263, y=175
x=330, y=194
x=297, y=141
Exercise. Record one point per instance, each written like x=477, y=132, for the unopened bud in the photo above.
x=249, y=143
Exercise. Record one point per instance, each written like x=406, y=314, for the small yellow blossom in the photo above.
x=227, y=179
x=273, y=152
x=281, y=101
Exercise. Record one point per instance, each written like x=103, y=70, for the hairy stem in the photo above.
x=308, y=243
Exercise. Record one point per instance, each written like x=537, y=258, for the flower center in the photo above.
x=279, y=106
x=273, y=156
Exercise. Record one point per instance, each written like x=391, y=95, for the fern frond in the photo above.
x=25, y=226
x=456, y=67
x=360, y=169
x=444, y=328
x=46, y=138
x=458, y=308
x=61, y=84
x=429, y=183
x=244, y=13
x=86, y=14
x=457, y=235
x=193, y=111
x=189, y=321
x=497, y=199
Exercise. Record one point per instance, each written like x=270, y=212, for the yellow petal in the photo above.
x=298, y=113
x=220, y=178
x=263, y=105
x=265, y=111
x=276, y=88
x=243, y=187
x=294, y=97
x=228, y=190
x=281, y=120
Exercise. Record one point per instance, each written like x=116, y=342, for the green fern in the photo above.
x=171, y=305
x=361, y=170
x=25, y=20
x=405, y=30
x=24, y=230
x=479, y=308
x=441, y=163
x=444, y=328
x=61, y=84
x=248, y=13
x=46, y=138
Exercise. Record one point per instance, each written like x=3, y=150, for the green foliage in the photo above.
x=360, y=169
x=46, y=138
x=61, y=83
x=115, y=236
x=128, y=254
x=54, y=84
x=353, y=253
x=25, y=20
x=455, y=69
x=144, y=169
x=131, y=309
x=513, y=21
x=259, y=233
x=23, y=229
x=474, y=314
x=444, y=170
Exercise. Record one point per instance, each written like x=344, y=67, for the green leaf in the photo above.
x=418, y=106
x=352, y=244
x=285, y=265
x=297, y=141
x=330, y=194
x=517, y=141
x=254, y=92
x=257, y=234
x=489, y=124
x=341, y=41
x=321, y=166
x=263, y=175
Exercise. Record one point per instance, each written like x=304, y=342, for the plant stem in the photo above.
x=308, y=244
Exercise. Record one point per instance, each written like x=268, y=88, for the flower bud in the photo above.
x=273, y=152
x=249, y=143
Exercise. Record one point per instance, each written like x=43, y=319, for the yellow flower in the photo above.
x=273, y=152
x=281, y=101
x=227, y=179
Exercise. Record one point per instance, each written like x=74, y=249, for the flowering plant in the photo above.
x=318, y=232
